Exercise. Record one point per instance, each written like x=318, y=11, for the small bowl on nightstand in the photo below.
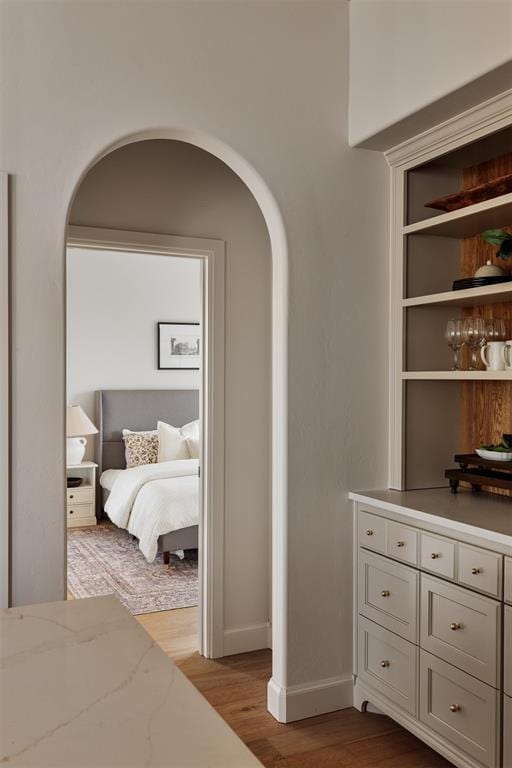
x=74, y=482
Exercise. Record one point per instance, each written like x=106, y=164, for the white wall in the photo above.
x=270, y=80
x=407, y=55
x=175, y=188
x=114, y=302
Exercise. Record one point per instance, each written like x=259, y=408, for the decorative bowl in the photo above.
x=494, y=455
x=74, y=482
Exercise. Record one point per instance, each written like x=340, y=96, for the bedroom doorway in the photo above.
x=140, y=341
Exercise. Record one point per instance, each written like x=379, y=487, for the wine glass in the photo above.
x=453, y=335
x=498, y=330
x=473, y=333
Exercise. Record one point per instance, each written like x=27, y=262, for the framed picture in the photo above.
x=179, y=346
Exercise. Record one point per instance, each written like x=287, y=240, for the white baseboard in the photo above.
x=244, y=639
x=300, y=701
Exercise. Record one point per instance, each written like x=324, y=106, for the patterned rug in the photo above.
x=105, y=560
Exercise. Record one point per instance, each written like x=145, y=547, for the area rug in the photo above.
x=105, y=560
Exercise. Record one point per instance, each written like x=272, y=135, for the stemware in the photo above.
x=453, y=335
x=496, y=328
x=473, y=334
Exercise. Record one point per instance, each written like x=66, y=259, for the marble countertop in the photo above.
x=483, y=518
x=82, y=684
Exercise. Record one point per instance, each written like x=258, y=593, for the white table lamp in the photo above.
x=77, y=425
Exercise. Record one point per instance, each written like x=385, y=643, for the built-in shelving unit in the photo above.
x=437, y=412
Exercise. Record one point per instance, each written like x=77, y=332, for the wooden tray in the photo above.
x=499, y=186
x=479, y=472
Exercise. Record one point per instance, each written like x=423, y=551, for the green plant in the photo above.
x=500, y=238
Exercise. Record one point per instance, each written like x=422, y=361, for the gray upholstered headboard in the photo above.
x=137, y=409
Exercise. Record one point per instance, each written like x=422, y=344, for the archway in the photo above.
x=269, y=209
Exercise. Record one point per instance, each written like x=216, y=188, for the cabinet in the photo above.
x=430, y=635
x=81, y=501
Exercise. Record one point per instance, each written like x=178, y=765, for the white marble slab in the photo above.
x=82, y=684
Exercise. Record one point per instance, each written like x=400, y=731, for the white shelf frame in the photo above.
x=466, y=222
x=467, y=298
x=487, y=118
x=456, y=376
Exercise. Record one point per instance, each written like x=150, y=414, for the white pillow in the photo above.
x=191, y=430
x=193, y=447
x=172, y=445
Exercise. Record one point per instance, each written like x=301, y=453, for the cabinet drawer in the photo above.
x=508, y=580
x=461, y=627
x=389, y=664
x=388, y=594
x=507, y=731
x=372, y=531
x=76, y=511
x=507, y=651
x=459, y=708
x=80, y=495
x=402, y=543
x=437, y=555
x=480, y=569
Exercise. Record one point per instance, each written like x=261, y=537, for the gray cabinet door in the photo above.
x=507, y=732
x=388, y=594
x=480, y=569
x=507, y=651
x=461, y=627
x=371, y=531
x=389, y=664
x=459, y=708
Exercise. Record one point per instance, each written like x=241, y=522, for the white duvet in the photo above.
x=155, y=499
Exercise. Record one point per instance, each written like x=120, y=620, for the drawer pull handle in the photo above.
x=434, y=555
x=385, y=593
x=454, y=708
x=455, y=625
x=384, y=663
x=400, y=543
x=70, y=511
x=369, y=532
x=71, y=496
x=475, y=571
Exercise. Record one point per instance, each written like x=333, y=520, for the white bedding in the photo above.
x=155, y=499
x=108, y=478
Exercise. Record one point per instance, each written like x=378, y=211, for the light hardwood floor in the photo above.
x=236, y=687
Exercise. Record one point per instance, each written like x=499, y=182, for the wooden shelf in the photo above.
x=468, y=221
x=456, y=376
x=490, y=294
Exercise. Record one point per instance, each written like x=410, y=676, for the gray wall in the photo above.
x=270, y=81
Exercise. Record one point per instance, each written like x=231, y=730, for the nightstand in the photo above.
x=81, y=501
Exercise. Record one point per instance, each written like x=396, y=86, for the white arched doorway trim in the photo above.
x=275, y=226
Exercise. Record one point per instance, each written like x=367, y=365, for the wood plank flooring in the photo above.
x=236, y=687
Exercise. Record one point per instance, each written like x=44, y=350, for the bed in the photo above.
x=155, y=486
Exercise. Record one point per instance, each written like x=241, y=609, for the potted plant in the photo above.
x=500, y=238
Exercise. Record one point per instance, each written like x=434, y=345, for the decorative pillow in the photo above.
x=193, y=447
x=140, y=448
x=191, y=430
x=172, y=445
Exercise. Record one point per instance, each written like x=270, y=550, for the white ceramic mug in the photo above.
x=493, y=355
x=507, y=355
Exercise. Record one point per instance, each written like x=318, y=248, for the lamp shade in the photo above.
x=77, y=423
